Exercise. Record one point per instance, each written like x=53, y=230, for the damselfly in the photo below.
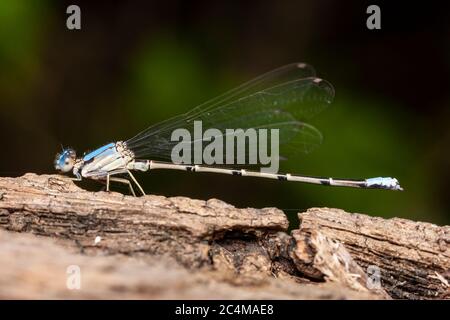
x=284, y=98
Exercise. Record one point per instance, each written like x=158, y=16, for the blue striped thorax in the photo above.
x=91, y=155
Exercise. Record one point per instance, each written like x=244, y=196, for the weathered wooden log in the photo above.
x=412, y=258
x=38, y=268
x=179, y=227
x=248, y=248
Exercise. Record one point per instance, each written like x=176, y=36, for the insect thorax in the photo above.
x=121, y=147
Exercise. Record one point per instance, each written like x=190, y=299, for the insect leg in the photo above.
x=135, y=181
x=124, y=181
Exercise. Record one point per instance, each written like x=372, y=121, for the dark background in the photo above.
x=139, y=62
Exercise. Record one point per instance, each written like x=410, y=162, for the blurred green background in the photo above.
x=139, y=62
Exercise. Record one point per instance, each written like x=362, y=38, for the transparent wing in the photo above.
x=287, y=73
x=282, y=99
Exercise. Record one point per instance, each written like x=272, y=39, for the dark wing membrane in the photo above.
x=284, y=106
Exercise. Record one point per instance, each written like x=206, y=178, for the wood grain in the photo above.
x=205, y=247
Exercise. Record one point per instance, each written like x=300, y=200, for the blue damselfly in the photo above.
x=285, y=99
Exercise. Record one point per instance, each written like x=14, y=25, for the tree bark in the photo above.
x=158, y=247
x=412, y=258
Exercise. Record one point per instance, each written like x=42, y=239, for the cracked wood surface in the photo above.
x=211, y=243
x=40, y=270
x=413, y=257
